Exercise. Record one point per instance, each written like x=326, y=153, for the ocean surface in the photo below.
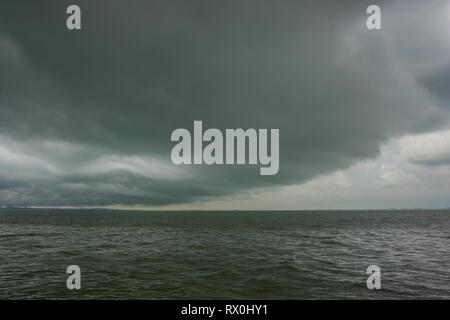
x=224, y=255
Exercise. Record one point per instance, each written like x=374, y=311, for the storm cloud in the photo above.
x=86, y=116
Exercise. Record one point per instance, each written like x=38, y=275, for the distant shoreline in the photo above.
x=218, y=211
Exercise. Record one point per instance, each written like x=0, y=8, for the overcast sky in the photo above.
x=86, y=116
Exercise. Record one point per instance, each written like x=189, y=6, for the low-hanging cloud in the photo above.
x=86, y=116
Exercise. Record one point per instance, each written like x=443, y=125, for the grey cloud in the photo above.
x=439, y=84
x=140, y=69
x=434, y=162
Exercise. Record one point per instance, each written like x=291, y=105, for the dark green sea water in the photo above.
x=224, y=255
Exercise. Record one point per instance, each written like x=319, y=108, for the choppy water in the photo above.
x=224, y=255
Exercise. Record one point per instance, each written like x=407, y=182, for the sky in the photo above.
x=86, y=115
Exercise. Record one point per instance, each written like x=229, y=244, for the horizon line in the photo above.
x=209, y=210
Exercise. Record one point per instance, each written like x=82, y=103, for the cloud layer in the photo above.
x=86, y=116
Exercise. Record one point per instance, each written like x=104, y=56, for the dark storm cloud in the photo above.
x=439, y=84
x=140, y=69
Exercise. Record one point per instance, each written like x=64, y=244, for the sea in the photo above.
x=224, y=255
